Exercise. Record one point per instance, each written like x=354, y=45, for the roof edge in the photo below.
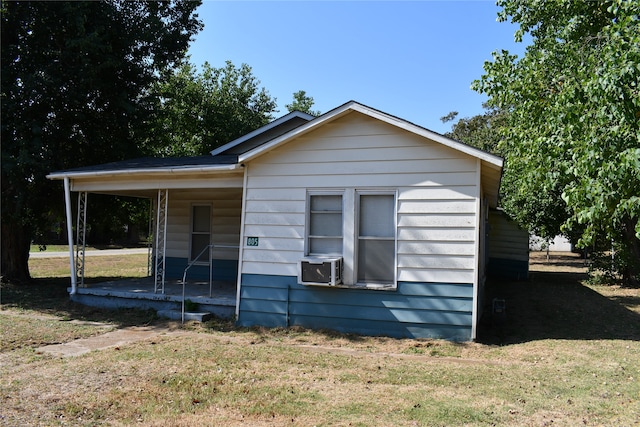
x=262, y=129
x=185, y=170
x=420, y=130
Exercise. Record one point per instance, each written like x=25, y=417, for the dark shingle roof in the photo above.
x=264, y=134
x=148, y=163
x=225, y=155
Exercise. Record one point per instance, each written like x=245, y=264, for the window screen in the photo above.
x=325, y=224
x=376, y=238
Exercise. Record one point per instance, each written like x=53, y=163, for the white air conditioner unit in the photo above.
x=320, y=271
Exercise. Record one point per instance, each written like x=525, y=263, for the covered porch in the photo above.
x=220, y=300
x=195, y=219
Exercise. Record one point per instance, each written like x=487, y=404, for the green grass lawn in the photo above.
x=65, y=248
x=569, y=355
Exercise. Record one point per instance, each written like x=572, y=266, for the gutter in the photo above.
x=148, y=171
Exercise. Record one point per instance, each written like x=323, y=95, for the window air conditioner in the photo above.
x=320, y=271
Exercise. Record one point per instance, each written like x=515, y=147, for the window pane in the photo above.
x=376, y=242
x=376, y=215
x=376, y=261
x=202, y=219
x=319, y=246
x=198, y=243
x=326, y=203
x=326, y=224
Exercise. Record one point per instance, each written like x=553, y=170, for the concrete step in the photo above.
x=199, y=316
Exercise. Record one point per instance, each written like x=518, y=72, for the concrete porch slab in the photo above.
x=202, y=316
x=139, y=293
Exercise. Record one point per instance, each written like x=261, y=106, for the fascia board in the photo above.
x=418, y=130
x=146, y=171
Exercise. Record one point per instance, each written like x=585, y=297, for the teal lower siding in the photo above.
x=224, y=270
x=414, y=310
x=511, y=269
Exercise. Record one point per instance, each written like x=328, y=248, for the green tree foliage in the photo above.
x=302, y=102
x=75, y=92
x=481, y=131
x=573, y=142
x=198, y=112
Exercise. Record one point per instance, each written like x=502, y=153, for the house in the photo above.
x=356, y=221
x=508, y=248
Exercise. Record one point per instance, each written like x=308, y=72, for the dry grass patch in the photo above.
x=96, y=267
x=249, y=378
x=569, y=356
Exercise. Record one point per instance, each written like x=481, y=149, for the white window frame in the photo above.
x=356, y=237
x=350, y=234
x=191, y=232
x=308, y=236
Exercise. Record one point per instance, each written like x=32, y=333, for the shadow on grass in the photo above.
x=555, y=305
x=550, y=305
x=50, y=296
x=559, y=260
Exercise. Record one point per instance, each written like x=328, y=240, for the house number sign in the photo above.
x=252, y=241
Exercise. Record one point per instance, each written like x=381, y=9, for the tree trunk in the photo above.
x=16, y=241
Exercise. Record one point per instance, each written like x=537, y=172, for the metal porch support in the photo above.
x=150, y=256
x=67, y=206
x=81, y=236
x=161, y=239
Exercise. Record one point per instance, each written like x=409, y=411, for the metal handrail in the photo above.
x=184, y=275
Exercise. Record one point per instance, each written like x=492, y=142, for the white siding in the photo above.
x=145, y=184
x=436, y=189
x=507, y=240
x=226, y=207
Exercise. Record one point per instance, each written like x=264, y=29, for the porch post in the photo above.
x=161, y=239
x=81, y=232
x=149, y=239
x=72, y=264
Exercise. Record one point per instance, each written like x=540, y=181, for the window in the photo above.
x=376, y=246
x=325, y=224
x=200, y=232
x=360, y=227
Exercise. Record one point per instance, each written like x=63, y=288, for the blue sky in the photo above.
x=415, y=59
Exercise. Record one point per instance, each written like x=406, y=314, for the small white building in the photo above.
x=356, y=221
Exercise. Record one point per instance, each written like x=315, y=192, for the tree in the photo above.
x=75, y=91
x=481, y=131
x=302, y=102
x=573, y=142
x=199, y=112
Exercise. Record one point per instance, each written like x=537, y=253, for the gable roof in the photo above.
x=491, y=165
x=377, y=114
